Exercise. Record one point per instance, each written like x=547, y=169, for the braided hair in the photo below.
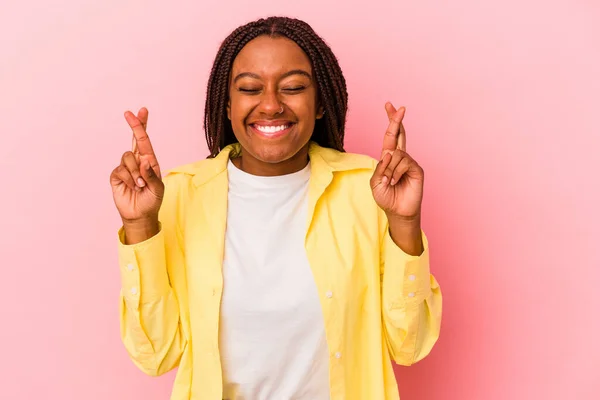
x=331, y=85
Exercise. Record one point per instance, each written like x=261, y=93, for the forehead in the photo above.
x=267, y=56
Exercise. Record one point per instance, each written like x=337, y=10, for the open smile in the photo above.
x=271, y=130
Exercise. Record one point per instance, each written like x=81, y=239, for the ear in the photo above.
x=229, y=109
x=320, y=112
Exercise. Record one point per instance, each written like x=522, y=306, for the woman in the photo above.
x=280, y=267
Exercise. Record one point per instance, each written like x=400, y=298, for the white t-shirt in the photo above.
x=272, y=334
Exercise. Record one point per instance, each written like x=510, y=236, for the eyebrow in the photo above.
x=255, y=76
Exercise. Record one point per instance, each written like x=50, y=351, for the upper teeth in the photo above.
x=271, y=129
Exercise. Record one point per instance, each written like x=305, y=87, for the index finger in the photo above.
x=143, y=117
x=139, y=133
x=394, y=137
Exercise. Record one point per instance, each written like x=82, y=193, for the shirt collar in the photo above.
x=324, y=161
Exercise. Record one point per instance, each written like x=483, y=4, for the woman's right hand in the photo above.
x=136, y=183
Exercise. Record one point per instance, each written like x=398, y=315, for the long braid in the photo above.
x=331, y=85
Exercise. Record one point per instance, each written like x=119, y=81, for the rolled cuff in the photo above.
x=143, y=269
x=406, y=277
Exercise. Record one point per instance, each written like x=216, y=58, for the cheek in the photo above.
x=304, y=107
x=239, y=109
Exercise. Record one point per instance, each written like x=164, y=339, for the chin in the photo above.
x=274, y=149
x=274, y=153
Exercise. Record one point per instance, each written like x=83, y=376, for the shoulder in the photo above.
x=358, y=162
x=351, y=171
x=343, y=162
x=190, y=169
x=348, y=177
x=200, y=171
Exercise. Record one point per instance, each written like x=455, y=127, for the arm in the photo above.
x=411, y=299
x=151, y=328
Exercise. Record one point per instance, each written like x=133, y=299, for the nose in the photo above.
x=270, y=103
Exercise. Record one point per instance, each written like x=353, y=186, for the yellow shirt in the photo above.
x=379, y=303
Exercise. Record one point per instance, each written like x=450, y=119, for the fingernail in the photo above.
x=392, y=181
x=141, y=182
x=384, y=179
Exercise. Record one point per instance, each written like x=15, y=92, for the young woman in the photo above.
x=280, y=267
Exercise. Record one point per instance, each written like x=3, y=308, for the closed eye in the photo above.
x=245, y=90
x=294, y=89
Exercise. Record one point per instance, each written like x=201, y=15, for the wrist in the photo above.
x=412, y=222
x=406, y=233
x=137, y=231
x=140, y=223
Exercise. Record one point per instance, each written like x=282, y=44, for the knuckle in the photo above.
x=126, y=168
x=114, y=174
x=124, y=173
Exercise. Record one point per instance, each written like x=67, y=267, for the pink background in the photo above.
x=502, y=112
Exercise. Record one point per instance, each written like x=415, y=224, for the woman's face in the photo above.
x=272, y=105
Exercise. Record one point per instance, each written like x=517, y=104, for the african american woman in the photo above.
x=281, y=266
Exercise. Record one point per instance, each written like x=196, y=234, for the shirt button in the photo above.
x=329, y=294
x=412, y=277
x=133, y=290
x=411, y=294
x=130, y=267
x=338, y=355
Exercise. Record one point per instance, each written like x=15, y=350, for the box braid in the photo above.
x=331, y=85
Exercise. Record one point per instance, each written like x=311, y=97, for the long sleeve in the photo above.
x=151, y=328
x=411, y=302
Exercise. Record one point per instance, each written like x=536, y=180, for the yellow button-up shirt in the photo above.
x=379, y=303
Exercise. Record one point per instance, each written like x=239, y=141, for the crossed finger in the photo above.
x=143, y=117
x=395, y=135
x=141, y=146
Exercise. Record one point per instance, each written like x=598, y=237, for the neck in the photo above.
x=253, y=166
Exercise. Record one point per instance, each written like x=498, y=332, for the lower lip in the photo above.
x=272, y=135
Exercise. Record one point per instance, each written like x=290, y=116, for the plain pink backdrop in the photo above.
x=502, y=112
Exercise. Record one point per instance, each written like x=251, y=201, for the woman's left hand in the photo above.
x=397, y=182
